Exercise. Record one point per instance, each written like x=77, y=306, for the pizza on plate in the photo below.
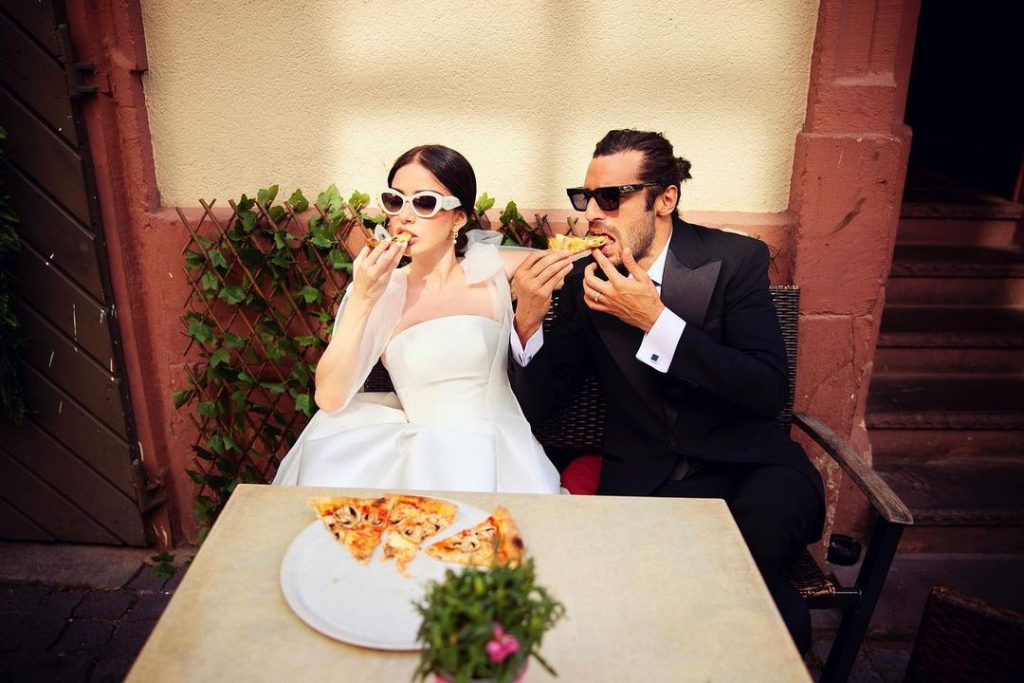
x=412, y=520
x=494, y=541
x=357, y=523
x=574, y=245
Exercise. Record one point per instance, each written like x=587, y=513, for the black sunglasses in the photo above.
x=607, y=197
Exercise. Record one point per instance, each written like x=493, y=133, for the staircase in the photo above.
x=946, y=406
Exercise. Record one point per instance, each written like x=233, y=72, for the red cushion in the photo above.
x=581, y=476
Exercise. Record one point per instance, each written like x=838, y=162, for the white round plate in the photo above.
x=368, y=605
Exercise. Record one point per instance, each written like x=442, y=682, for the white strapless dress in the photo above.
x=449, y=425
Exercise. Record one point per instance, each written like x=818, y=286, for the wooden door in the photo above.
x=71, y=471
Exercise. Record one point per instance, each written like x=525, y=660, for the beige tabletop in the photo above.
x=655, y=589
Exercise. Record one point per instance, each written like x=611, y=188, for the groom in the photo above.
x=677, y=322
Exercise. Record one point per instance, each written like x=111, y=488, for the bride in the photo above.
x=441, y=327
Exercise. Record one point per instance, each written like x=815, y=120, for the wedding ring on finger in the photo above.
x=596, y=297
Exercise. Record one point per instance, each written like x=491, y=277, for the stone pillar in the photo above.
x=847, y=186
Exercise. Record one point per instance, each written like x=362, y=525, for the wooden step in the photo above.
x=945, y=291
x=911, y=359
x=993, y=232
x=936, y=260
x=952, y=327
x=946, y=402
x=897, y=445
x=959, y=492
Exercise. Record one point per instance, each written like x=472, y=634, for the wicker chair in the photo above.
x=962, y=638
x=578, y=428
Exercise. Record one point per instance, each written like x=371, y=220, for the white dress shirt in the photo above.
x=658, y=345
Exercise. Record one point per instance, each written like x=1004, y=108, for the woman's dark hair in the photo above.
x=452, y=170
x=660, y=165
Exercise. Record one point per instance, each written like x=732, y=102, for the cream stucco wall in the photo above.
x=304, y=93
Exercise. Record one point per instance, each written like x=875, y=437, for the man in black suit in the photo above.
x=677, y=321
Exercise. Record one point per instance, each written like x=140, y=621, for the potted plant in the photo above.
x=485, y=624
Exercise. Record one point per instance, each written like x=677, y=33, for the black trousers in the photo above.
x=777, y=510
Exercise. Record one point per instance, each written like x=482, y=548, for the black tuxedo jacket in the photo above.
x=726, y=383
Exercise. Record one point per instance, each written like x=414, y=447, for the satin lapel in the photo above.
x=690, y=277
x=622, y=342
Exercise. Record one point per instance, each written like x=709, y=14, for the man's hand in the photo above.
x=634, y=301
x=538, y=276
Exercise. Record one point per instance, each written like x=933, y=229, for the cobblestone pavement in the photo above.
x=62, y=633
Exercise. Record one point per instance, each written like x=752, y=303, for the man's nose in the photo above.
x=593, y=211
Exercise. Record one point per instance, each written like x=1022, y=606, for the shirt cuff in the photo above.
x=523, y=355
x=659, y=345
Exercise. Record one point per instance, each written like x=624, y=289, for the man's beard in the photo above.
x=641, y=235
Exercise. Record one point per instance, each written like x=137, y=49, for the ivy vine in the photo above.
x=264, y=292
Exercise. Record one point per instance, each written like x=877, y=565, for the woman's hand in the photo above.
x=372, y=269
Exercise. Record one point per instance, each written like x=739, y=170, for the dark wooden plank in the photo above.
x=44, y=156
x=67, y=307
x=16, y=526
x=59, y=415
x=73, y=478
x=46, y=507
x=54, y=356
x=54, y=232
x=37, y=78
x=37, y=19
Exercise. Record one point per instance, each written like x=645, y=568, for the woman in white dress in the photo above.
x=441, y=326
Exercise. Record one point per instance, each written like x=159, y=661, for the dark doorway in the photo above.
x=964, y=101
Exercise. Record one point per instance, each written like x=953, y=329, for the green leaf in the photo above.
x=273, y=387
x=245, y=378
x=266, y=197
x=203, y=453
x=182, y=396
x=484, y=203
x=298, y=201
x=194, y=259
x=304, y=403
x=306, y=341
x=244, y=204
x=251, y=257
x=276, y=213
x=340, y=260
x=210, y=281
x=219, y=356
x=197, y=477
x=510, y=214
x=358, y=201
x=233, y=341
x=209, y=408
x=322, y=241
x=330, y=199
x=217, y=259
x=205, y=509
x=233, y=294
x=247, y=220
x=310, y=294
x=200, y=331
x=215, y=443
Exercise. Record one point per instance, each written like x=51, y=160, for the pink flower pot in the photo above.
x=441, y=678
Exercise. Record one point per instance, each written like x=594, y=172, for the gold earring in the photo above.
x=455, y=234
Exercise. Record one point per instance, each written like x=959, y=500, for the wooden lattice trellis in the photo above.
x=263, y=291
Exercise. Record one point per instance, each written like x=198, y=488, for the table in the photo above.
x=655, y=589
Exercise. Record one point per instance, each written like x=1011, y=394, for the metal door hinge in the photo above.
x=75, y=73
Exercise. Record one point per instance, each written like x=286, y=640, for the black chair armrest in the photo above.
x=882, y=498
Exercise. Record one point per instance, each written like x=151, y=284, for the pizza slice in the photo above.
x=357, y=523
x=372, y=241
x=574, y=244
x=412, y=520
x=494, y=541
